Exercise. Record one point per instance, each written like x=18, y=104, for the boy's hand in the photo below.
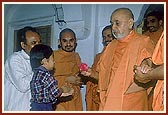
x=67, y=91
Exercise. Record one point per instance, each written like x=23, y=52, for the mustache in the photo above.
x=151, y=27
x=107, y=41
x=69, y=46
x=114, y=32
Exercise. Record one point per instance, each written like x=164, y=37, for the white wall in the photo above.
x=87, y=20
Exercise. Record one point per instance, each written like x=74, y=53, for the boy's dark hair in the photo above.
x=38, y=53
x=21, y=35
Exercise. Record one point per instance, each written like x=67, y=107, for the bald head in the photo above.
x=124, y=11
x=122, y=21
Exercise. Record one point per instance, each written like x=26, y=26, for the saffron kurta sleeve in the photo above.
x=116, y=73
x=66, y=64
x=158, y=58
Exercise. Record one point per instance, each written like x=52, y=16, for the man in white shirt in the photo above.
x=18, y=72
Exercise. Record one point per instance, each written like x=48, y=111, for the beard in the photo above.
x=118, y=36
x=68, y=48
x=106, y=42
x=152, y=29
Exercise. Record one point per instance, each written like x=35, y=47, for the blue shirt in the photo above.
x=44, y=88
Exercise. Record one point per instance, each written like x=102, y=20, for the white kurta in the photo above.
x=18, y=74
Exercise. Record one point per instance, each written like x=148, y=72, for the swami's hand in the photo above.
x=141, y=73
x=147, y=61
x=86, y=73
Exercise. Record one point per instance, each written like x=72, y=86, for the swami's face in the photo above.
x=68, y=41
x=121, y=24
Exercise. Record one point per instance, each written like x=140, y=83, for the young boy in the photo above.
x=44, y=88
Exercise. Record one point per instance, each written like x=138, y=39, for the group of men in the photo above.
x=113, y=87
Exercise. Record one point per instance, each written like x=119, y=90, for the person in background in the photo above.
x=18, y=72
x=154, y=28
x=153, y=69
x=154, y=25
x=118, y=91
x=92, y=94
x=107, y=35
x=66, y=70
x=44, y=88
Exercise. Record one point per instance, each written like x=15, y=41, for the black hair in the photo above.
x=21, y=34
x=158, y=14
x=66, y=30
x=106, y=28
x=38, y=53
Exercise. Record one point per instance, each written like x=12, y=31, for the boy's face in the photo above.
x=50, y=64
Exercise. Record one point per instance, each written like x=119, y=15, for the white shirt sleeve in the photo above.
x=19, y=72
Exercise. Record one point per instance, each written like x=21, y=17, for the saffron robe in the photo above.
x=116, y=73
x=158, y=58
x=66, y=64
x=154, y=36
x=92, y=94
